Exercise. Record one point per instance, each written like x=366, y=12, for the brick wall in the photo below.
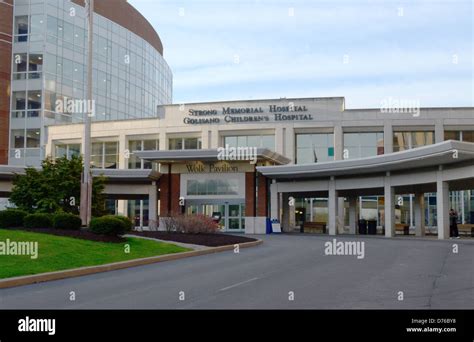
x=249, y=194
x=262, y=201
x=164, y=191
x=169, y=194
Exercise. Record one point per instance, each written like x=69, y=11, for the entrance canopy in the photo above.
x=443, y=167
x=445, y=154
x=180, y=156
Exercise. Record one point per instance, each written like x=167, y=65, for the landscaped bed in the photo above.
x=210, y=240
x=57, y=253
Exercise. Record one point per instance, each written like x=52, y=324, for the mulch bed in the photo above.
x=209, y=240
x=77, y=234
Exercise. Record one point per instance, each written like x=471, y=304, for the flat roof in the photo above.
x=444, y=153
x=179, y=156
x=127, y=174
x=8, y=172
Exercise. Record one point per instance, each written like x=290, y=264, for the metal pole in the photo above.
x=86, y=186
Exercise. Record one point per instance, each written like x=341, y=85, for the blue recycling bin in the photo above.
x=269, y=226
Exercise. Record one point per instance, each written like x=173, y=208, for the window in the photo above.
x=35, y=65
x=459, y=135
x=135, y=162
x=21, y=28
x=34, y=104
x=25, y=66
x=17, y=138
x=360, y=145
x=212, y=187
x=18, y=100
x=29, y=138
x=67, y=150
x=104, y=155
x=408, y=140
x=314, y=148
x=258, y=141
x=33, y=138
x=184, y=144
x=20, y=103
x=20, y=65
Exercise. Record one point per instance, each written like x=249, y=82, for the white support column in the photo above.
x=274, y=201
x=123, y=162
x=332, y=207
x=340, y=214
x=153, y=206
x=352, y=214
x=290, y=144
x=280, y=140
x=122, y=207
x=388, y=137
x=216, y=141
x=338, y=142
x=163, y=139
x=419, y=214
x=389, y=199
x=285, y=220
x=442, y=206
x=439, y=131
x=205, y=138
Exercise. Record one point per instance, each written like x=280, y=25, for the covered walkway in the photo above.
x=439, y=168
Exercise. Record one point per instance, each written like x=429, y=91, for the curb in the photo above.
x=76, y=272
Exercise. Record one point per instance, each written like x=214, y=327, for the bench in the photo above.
x=314, y=227
x=467, y=228
x=401, y=227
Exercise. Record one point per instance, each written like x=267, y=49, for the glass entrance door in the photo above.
x=232, y=214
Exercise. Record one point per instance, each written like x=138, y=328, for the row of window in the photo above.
x=27, y=66
x=310, y=148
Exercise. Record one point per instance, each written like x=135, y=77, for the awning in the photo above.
x=179, y=156
x=444, y=153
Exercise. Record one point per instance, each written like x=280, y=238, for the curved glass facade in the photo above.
x=49, y=81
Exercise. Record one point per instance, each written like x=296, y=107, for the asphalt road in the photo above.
x=428, y=273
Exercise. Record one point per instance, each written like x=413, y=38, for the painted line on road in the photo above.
x=238, y=284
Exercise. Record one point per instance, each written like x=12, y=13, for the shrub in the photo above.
x=66, y=221
x=39, y=220
x=190, y=224
x=129, y=223
x=12, y=218
x=109, y=225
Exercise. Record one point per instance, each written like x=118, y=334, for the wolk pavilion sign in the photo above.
x=221, y=166
x=247, y=114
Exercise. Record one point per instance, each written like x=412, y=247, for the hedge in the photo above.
x=38, y=220
x=12, y=218
x=125, y=220
x=66, y=221
x=108, y=225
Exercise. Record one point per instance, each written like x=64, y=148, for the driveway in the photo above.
x=287, y=271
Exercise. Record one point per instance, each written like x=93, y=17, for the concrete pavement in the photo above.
x=427, y=271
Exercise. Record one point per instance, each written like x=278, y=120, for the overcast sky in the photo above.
x=366, y=51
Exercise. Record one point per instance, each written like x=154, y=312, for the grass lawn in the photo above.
x=60, y=253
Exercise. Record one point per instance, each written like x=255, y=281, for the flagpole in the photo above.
x=86, y=185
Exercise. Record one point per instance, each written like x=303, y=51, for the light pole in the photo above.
x=86, y=182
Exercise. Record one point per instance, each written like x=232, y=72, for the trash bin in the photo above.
x=372, y=227
x=363, y=227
